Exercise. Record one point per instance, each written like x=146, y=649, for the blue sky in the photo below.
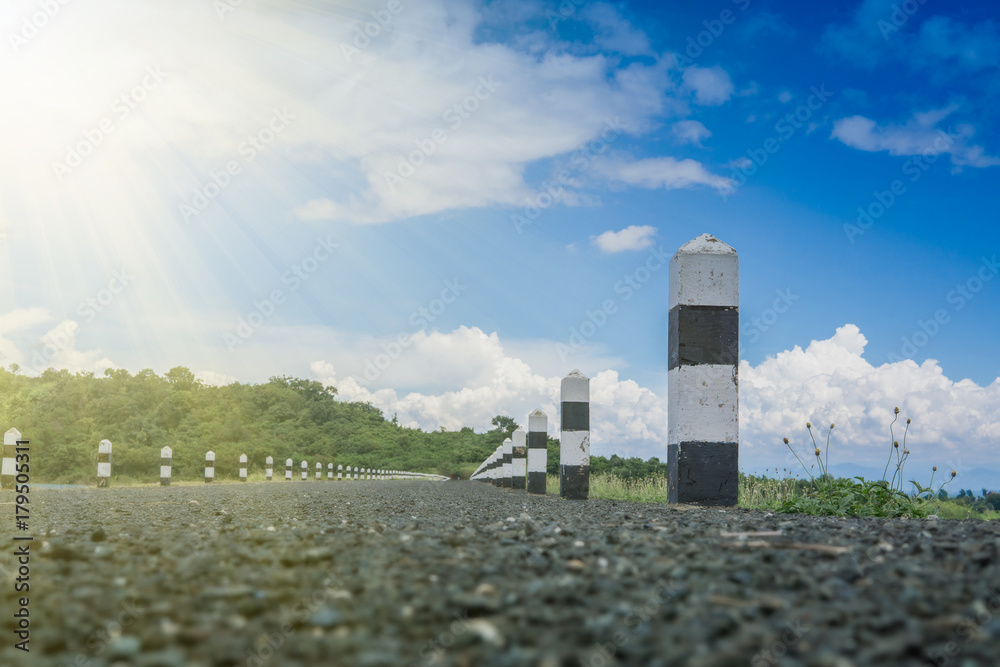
x=263, y=189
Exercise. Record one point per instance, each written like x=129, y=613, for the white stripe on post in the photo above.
x=166, y=462
x=574, y=438
x=269, y=468
x=243, y=467
x=288, y=470
x=209, y=466
x=305, y=471
x=519, y=458
x=340, y=472
x=8, y=474
x=538, y=453
x=702, y=374
x=506, y=480
x=103, y=463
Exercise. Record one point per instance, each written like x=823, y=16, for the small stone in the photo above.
x=98, y=535
x=486, y=631
x=575, y=565
x=125, y=646
x=486, y=589
x=327, y=617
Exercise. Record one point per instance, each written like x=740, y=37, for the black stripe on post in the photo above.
x=576, y=416
x=703, y=471
x=703, y=335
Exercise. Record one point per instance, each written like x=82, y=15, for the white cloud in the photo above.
x=785, y=97
x=612, y=32
x=690, y=131
x=663, y=172
x=711, y=85
x=633, y=237
x=918, y=136
x=214, y=379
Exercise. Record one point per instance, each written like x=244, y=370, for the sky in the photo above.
x=443, y=207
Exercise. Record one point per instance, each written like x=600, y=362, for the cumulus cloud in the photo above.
x=711, y=85
x=633, y=237
x=613, y=32
x=690, y=132
x=828, y=381
x=918, y=136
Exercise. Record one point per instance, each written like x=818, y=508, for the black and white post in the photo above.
x=702, y=374
x=288, y=470
x=243, y=467
x=8, y=474
x=506, y=479
x=269, y=468
x=519, y=459
x=340, y=472
x=209, y=466
x=574, y=439
x=305, y=471
x=103, y=463
x=319, y=471
x=166, y=461
x=329, y=472
x=538, y=454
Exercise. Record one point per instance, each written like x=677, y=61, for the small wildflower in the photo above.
x=907, y=420
x=934, y=469
x=831, y=427
x=817, y=451
x=954, y=472
x=895, y=443
x=808, y=425
x=896, y=411
x=786, y=441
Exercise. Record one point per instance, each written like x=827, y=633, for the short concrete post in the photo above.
x=166, y=461
x=506, y=480
x=305, y=471
x=243, y=467
x=702, y=374
x=103, y=463
x=8, y=474
x=329, y=472
x=574, y=439
x=269, y=468
x=209, y=466
x=340, y=472
x=355, y=472
x=538, y=452
x=519, y=459
x=319, y=471
x=288, y=470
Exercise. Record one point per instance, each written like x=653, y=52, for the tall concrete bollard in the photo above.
x=319, y=471
x=243, y=467
x=269, y=468
x=519, y=459
x=702, y=374
x=209, y=466
x=538, y=453
x=166, y=462
x=340, y=472
x=8, y=474
x=355, y=472
x=305, y=471
x=574, y=439
x=288, y=470
x=103, y=463
x=329, y=472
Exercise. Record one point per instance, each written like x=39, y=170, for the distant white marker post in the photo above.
x=574, y=439
x=538, y=453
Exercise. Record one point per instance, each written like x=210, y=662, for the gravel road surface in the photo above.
x=462, y=573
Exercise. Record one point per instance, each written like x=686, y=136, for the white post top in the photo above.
x=305, y=465
x=166, y=453
x=103, y=447
x=269, y=460
x=210, y=456
x=243, y=458
x=538, y=421
x=288, y=462
x=11, y=437
x=319, y=465
x=575, y=388
x=520, y=437
x=507, y=446
x=705, y=272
